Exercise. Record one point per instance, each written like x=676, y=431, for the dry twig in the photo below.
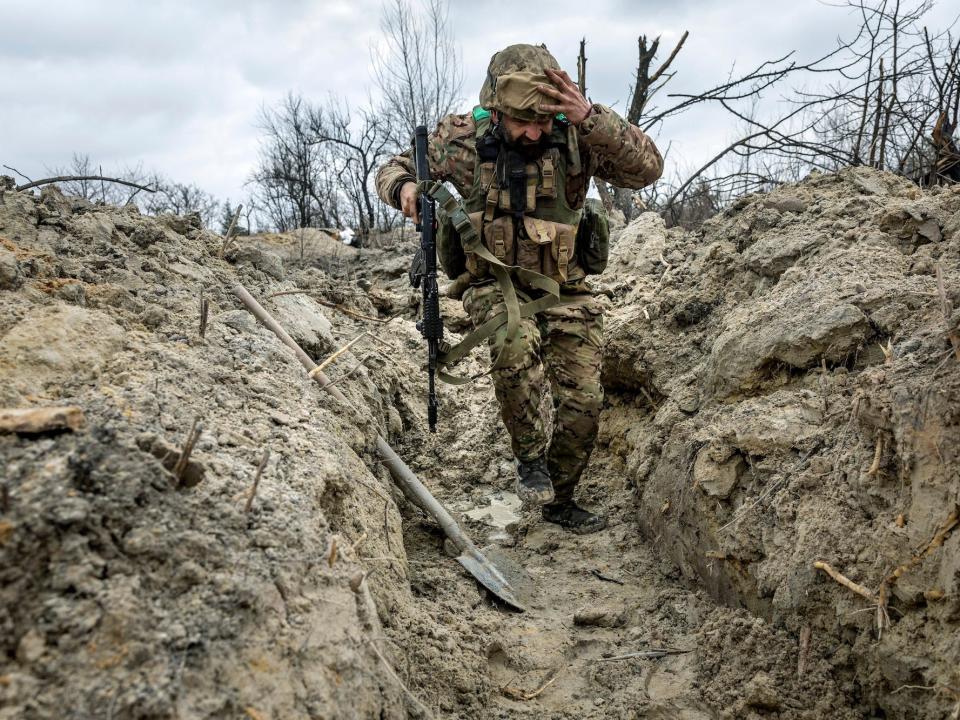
x=256, y=479
x=70, y=178
x=517, y=694
x=390, y=671
x=204, y=313
x=333, y=358
x=880, y=601
x=877, y=454
x=195, y=429
x=652, y=654
x=13, y=169
x=742, y=511
x=946, y=308
x=228, y=238
x=334, y=306
x=939, y=537
x=350, y=372
x=606, y=578
x=804, y=650
x=845, y=581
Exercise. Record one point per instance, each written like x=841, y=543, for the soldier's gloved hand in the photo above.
x=569, y=100
x=408, y=201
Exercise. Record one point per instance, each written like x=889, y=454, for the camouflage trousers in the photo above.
x=560, y=345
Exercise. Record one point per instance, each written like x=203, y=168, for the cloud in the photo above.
x=178, y=85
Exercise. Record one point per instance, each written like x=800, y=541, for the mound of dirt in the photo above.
x=128, y=596
x=787, y=392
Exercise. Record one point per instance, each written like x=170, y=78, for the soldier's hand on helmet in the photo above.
x=408, y=201
x=568, y=98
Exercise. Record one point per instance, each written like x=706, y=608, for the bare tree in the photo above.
x=417, y=67
x=646, y=85
x=85, y=178
x=883, y=97
x=356, y=149
x=317, y=166
x=181, y=199
x=293, y=189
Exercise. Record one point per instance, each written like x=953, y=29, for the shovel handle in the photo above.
x=402, y=475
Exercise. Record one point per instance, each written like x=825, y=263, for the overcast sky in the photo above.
x=177, y=85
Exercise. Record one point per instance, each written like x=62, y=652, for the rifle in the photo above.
x=423, y=272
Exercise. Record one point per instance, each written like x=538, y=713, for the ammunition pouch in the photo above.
x=593, y=238
x=450, y=253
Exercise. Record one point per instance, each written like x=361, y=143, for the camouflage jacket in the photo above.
x=610, y=148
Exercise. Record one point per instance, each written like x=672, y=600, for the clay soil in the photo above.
x=781, y=390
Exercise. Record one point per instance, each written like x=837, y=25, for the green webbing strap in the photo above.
x=471, y=242
x=462, y=349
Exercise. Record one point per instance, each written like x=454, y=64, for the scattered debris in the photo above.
x=599, y=617
x=256, y=480
x=180, y=467
x=652, y=654
x=31, y=421
x=606, y=578
x=517, y=694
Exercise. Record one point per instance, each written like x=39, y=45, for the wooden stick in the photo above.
x=402, y=475
x=947, y=308
x=195, y=429
x=204, y=312
x=845, y=581
x=517, y=694
x=229, y=236
x=804, y=650
x=68, y=178
x=333, y=358
x=877, y=453
x=652, y=654
x=256, y=479
x=325, y=303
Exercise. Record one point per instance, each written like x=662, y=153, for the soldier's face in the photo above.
x=525, y=132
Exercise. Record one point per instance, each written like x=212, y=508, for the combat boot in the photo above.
x=533, y=482
x=574, y=518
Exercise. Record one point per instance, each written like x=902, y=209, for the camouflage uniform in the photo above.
x=563, y=343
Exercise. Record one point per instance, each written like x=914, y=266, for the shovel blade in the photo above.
x=488, y=575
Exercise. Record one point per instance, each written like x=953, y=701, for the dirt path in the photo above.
x=594, y=598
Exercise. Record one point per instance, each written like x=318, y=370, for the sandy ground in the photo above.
x=781, y=390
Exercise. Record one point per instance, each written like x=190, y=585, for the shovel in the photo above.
x=489, y=575
x=486, y=573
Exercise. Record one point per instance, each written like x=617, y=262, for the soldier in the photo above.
x=522, y=162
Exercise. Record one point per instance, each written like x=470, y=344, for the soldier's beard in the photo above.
x=529, y=149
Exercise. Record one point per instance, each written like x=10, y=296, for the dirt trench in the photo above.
x=753, y=370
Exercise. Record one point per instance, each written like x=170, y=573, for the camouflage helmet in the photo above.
x=512, y=78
